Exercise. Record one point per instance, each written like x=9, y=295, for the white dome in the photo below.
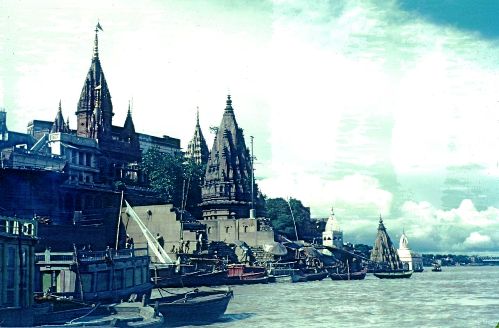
x=332, y=224
x=404, y=243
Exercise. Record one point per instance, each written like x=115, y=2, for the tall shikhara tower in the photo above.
x=197, y=150
x=226, y=193
x=95, y=109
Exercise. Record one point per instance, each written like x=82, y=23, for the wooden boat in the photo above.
x=134, y=314
x=196, y=278
x=281, y=271
x=387, y=263
x=194, y=307
x=101, y=276
x=436, y=267
x=358, y=275
x=241, y=274
x=393, y=274
x=309, y=276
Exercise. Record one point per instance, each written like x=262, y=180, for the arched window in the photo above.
x=209, y=229
x=227, y=229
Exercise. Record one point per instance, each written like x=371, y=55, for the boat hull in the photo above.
x=348, y=276
x=194, y=307
x=393, y=274
x=309, y=277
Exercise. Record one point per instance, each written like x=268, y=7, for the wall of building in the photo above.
x=159, y=219
x=230, y=230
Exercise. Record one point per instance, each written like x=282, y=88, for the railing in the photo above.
x=18, y=227
x=49, y=257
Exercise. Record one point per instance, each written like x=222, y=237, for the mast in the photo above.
x=119, y=222
x=293, y=217
x=252, y=212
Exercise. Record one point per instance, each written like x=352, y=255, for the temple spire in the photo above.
x=96, y=42
x=229, y=108
x=197, y=116
x=197, y=149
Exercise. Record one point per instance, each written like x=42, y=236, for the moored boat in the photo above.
x=393, y=274
x=193, y=307
x=133, y=314
x=241, y=274
x=94, y=276
x=281, y=271
x=358, y=275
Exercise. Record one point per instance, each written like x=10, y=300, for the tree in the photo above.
x=165, y=173
x=278, y=210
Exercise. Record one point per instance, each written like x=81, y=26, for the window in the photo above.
x=227, y=229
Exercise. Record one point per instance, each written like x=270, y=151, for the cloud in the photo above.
x=475, y=239
x=357, y=196
x=461, y=229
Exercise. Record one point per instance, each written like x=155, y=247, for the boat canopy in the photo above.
x=275, y=248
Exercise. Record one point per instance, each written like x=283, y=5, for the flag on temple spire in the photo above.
x=99, y=27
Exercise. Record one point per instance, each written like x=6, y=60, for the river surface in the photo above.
x=455, y=297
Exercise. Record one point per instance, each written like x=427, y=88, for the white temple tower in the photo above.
x=413, y=261
x=332, y=235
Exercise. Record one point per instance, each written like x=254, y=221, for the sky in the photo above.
x=371, y=107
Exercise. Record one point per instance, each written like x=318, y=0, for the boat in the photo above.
x=193, y=307
x=241, y=274
x=358, y=275
x=93, y=276
x=196, y=278
x=393, y=274
x=304, y=276
x=387, y=263
x=437, y=267
x=133, y=314
x=281, y=271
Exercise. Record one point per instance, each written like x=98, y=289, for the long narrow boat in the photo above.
x=393, y=274
x=358, y=275
x=309, y=276
x=135, y=314
x=241, y=274
x=193, y=307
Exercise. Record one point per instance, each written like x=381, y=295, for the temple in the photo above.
x=197, y=150
x=332, y=235
x=411, y=260
x=226, y=192
x=383, y=251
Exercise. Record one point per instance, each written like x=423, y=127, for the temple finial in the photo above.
x=60, y=106
x=129, y=108
x=96, y=42
x=229, y=103
x=197, y=115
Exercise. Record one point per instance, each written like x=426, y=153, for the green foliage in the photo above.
x=171, y=176
x=278, y=210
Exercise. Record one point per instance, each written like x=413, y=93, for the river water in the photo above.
x=455, y=297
